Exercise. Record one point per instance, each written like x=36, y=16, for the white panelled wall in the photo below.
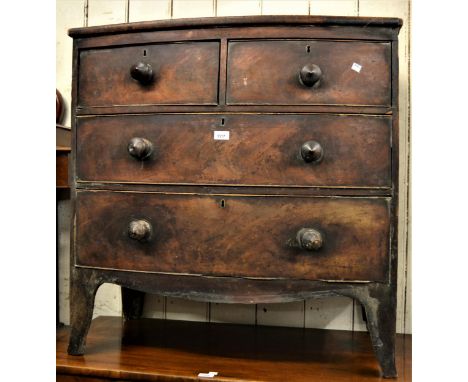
x=330, y=313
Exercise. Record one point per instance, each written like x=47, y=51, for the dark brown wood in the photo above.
x=333, y=109
x=395, y=178
x=246, y=32
x=78, y=378
x=132, y=303
x=61, y=169
x=242, y=290
x=231, y=190
x=245, y=188
x=381, y=324
x=183, y=73
x=83, y=288
x=157, y=350
x=366, y=22
x=261, y=150
x=268, y=72
x=228, y=289
x=233, y=236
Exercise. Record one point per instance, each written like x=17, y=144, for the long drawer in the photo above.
x=284, y=150
x=288, y=72
x=319, y=238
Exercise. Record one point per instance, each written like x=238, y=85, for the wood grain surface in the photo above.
x=183, y=74
x=157, y=350
x=70, y=14
x=367, y=22
x=385, y=355
x=267, y=72
x=247, y=236
x=261, y=150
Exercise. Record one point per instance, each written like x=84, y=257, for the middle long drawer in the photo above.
x=285, y=150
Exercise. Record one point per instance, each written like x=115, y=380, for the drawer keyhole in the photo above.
x=222, y=121
x=222, y=204
x=308, y=49
x=144, y=52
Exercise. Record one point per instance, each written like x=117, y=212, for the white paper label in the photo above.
x=356, y=67
x=211, y=374
x=221, y=135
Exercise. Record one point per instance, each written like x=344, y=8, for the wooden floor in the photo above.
x=159, y=350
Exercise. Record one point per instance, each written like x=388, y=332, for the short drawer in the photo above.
x=347, y=73
x=315, y=238
x=283, y=150
x=173, y=73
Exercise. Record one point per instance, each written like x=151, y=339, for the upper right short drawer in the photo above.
x=309, y=72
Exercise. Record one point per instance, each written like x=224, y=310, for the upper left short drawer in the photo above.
x=155, y=74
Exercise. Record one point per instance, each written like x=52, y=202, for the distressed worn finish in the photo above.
x=181, y=74
x=261, y=150
x=234, y=235
x=300, y=202
x=268, y=72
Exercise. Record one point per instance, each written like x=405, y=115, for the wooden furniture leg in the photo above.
x=132, y=303
x=83, y=288
x=381, y=324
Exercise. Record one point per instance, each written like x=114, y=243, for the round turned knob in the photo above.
x=140, y=148
x=311, y=151
x=310, y=75
x=139, y=230
x=309, y=239
x=142, y=72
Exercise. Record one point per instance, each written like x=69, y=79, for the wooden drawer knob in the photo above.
x=140, y=148
x=139, y=230
x=311, y=151
x=309, y=239
x=310, y=75
x=142, y=72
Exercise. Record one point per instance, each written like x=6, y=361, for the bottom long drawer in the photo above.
x=314, y=238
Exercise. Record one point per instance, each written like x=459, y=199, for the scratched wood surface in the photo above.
x=335, y=313
x=183, y=74
x=253, y=80
x=266, y=148
x=355, y=235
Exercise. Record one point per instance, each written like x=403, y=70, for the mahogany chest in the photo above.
x=237, y=160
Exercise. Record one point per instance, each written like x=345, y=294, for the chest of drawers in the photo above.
x=237, y=160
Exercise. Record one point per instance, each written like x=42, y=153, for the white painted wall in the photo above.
x=331, y=313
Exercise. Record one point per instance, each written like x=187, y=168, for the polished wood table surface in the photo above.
x=159, y=350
